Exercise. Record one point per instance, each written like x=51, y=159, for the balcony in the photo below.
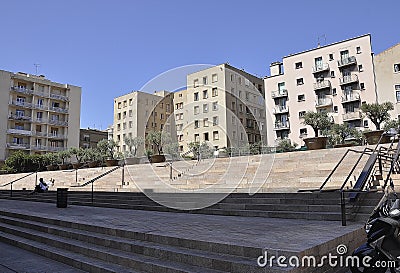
x=347, y=61
x=40, y=106
x=59, y=97
x=320, y=68
x=56, y=149
x=348, y=79
x=40, y=120
x=39, y=148
x=19, y=117
x=21, y=90
x=58, y=109
x=18, y=146
x=281, y=126
x=15, y=131
x=323, y=102
x=57, y=136
x=21, y=104
x=281, y=109
x=351, y=97
x=41, y=94
x=40, y=134
x=322, y=85
x=279, y=94
x=58, y=122
x=352, y=115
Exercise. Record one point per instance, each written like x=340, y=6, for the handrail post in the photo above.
x=11, y=190
x=36, y=179
x=123, y=174
x=170, y=170
x=76, y=175
x=343, y=208
x=92, y=195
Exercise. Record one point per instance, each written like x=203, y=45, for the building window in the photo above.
x=398, y=96
x=301, y=114
x=118, y=127
x=397, y=87
x=332, y=74
x=196, y=83
x=362, y=86
x=215, y=92
x=119, y=116
x=358, y=49
x=240, y=107
x=125, y=103
x=124, y=126
x=215, y=121
x=397, y=68
x=205, y=94
x=301, y=97
x=161, y=116
x=119, y=105
x=300, y=81
x=240, y=80
x=130, y=113
x=130, y=102
x=299, y=65
x=214, y=78
x=196, y=110
x=215, y=135
x=196, y=124
x=215, y=106
x=205, y=108
x=196, y=96
x=335, y=109
x=247, y=95
x=206, y=138
x=360, y=68
x=124, y=114
x=234, y=120
x=330, y=57
x=205, y=81
x=205, y=122
x=232, y=77
x=365, y=123
x=130, y=124
x=240, y=94
x=181, y=116
x=303, y=132
x=86, y=138
x=334, y=92
x=196, y=137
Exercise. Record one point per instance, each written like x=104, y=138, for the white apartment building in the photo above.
x=222, y=105
x=137, y=113
x=387, y=71
x=336, y=78
x=37, y=115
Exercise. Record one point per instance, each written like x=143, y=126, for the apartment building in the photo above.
x=37, y=115
x=387, y=71
x=336, y=78
x=138, y=113
x=222, y=105
x=88, y=138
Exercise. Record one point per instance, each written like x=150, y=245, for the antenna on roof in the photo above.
x=36, y=67
x=319, y=37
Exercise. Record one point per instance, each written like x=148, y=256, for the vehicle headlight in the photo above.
x=394, y=213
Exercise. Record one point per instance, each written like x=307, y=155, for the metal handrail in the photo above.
x=12, y=182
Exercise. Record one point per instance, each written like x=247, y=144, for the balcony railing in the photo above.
x=18, y=146
x=322, y=85
x=58, y=122
x=323, y=102
x=347, y=61
x=348, y=79
x=19, y=117
x=41, y=94
x=352, y=115
x=40, y=120
x=58, y=109
x=350, y=98
x=40, y=106
x=21, y=104
x=59, y=97
x=56, y=149
x=21, y=90
x=280, y=109
x=320, y=68
x=40, y=134
x=39, y=148
x=282, y=125
x=279, y=93
x=23, y=132
x=59, y=136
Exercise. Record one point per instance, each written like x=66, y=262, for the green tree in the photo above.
x=285, y=145
x=158, y=139
x=107, y=148
x=319, y=121
x=133, y=144
x=340, y=132
x=377, y=113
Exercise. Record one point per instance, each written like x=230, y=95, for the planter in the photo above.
x=76, y=165
x=63, y=166
x=52, y=167
x=343, y=145
x=132, y=160
x=315, y=143
x=157, y=158
x=374, y=136
x=93, y=164
x=112, y=162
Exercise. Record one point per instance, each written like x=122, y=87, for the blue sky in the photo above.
x=113, y=47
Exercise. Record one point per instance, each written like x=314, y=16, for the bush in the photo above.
x=285, y=145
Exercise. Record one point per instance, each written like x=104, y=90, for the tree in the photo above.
x=392, y=124
x=317, y=120
x=285, y=145
x=158, y=139
x=133, y=144
x=63, y=155
x=107, y=148
x=78, y=153
x=340, y=132
x=377, y=113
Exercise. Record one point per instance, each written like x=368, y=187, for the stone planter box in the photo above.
x=112, y=162
x=316, y=143
x=157, y=158
x=374, y=136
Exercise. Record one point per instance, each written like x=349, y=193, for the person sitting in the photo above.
x=41, y=187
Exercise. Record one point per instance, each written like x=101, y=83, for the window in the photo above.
x=233, y=106
x=196, y=137
x=214, y=78
x=332, y=74
x=362, y=86
x=365, y=123
x=205, y=122
x=177, y=116
x=240, y=107
x=119, y=105
x=196, y=96
x=167, y=107
x=124, y=114
x=215, y=135
x=161, y=116
x=299, y=65
x=301, y=114
x=303, y=132
x=232, y=91
x=181, y=116
x=397, y=68
x=206, y=138
x=330, y=57
x=215, y=106
x=125, y=103
x=196, y=83
x=246, y=82
x=234, y=120
x=234, y=134
x=205, y=108
x=130, y=113
x=196, y=110
x=344, y=54
x=334, y=92
x=247, y=95
x=215, y=92
x=39, y=115
x=130, y=124
x=205, y=94
x=232, y=77
x=335, y=109
x=196, y=124
x=360, y=68
x=358, y=49
x=119, y=116
x=397, y=87
x=301, y=97
x=124, y=126
x=215, y=121
x=205, y=81
x=300, y=81
x=240, y=80
x=118, y=127
x=240, y=94
x=130, y=101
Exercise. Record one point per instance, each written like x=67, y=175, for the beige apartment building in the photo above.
x=223, y=106
x=138, y=113
x=336, y=78
x=387, y=71
x=37, y=115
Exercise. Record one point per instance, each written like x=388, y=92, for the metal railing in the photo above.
x=347, y=61
x=320, y=68
x=321, y=102
x=348, y=79
x=16, y=180
x=351, y=97
x=279, y=93
x=352, y=115
x=322, y=84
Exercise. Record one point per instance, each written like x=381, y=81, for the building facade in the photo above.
x=335, y=78
x=88, y=138
x=37, y=115
x=223, y=106
x=138, y=113
x=387, y=67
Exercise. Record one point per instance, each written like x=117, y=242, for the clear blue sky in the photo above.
x=113, y=47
